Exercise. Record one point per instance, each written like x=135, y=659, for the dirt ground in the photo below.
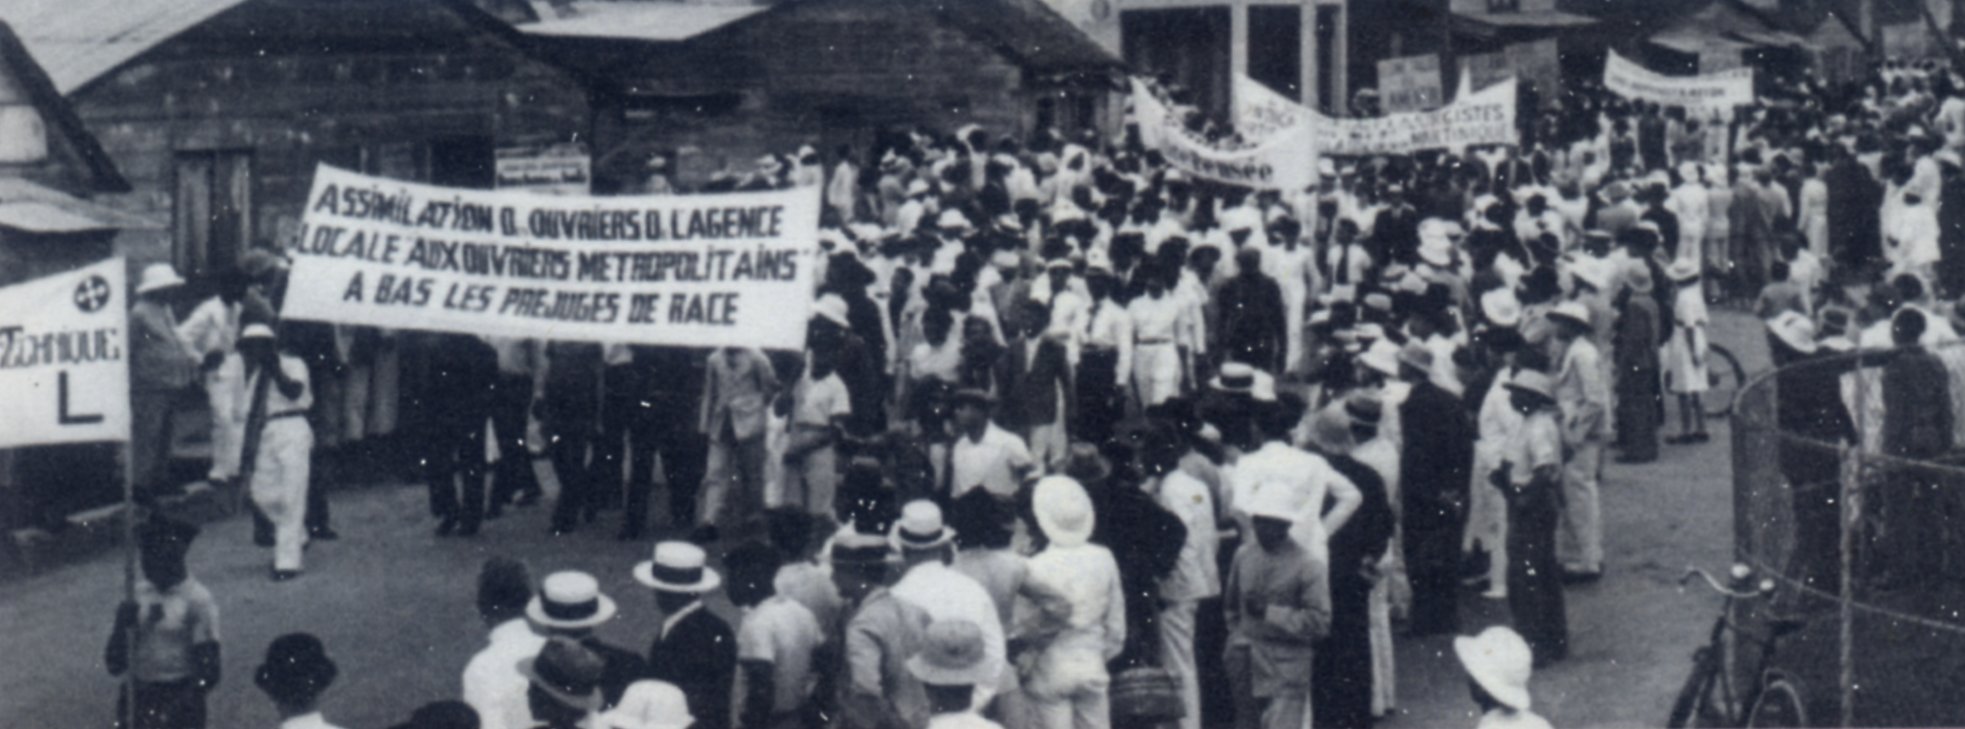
x=394, y=605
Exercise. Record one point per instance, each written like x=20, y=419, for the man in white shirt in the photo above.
x=927, y=548
x=1279, y=463
x=1160, y=333
x=983, y=455
x=211, y=332
x=493, y=685
x=776, y=639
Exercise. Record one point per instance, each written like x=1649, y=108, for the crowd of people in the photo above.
x=1080, y=440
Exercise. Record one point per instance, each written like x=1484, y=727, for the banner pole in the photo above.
x=129, y=581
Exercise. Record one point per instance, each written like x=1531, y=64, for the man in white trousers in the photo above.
x=273, y=403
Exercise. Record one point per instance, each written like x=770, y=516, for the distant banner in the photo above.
x=1411, y=83
x=1722, y=89
x=1283, y=162
x=1483, y=117
x=696, y=270
x=64, y=371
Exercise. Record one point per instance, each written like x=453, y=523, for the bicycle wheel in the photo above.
x=1725, y=377
x=1697, y=689
x=1779, y=705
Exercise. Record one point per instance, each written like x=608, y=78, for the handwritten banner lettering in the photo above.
x=1721, y=89
x=1481, y=118
x=696, y=270
x=1283, y=162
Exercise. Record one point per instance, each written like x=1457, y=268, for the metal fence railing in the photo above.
x=1867, y=548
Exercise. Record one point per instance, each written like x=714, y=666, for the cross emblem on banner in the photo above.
x=92, y=294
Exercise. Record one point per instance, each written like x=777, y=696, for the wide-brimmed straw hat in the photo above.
x=570, y=600
x=678, y=567
x=920, y=527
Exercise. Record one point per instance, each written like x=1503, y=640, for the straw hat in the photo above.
x=1573, y=311
x=1501, y=308
x=570, y=600
x=952, y=654
x=1416, y=355
x=1382, y=357
x=256, y=331
x=568, y=672
x=1364, y=409
x=678, y=567
x=1534, y=383
x=953, y=220
x=1500, y=661
x=1794, y=329
x=833, y=309
x=921, y=528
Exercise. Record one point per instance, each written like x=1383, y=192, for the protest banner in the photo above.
x=1907, y=41
x=1725, y=89
x=1411, y=83
x=690, y=270
x=1483, y=117
x=560, y=169
x=1283, y=162
x=64, y=368
x=1261, y=113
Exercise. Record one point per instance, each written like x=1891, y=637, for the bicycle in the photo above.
x=1708, y=698
x=1724, y=378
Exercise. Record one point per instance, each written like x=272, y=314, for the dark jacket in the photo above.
x=1435, y=468
x=1916, y=405
x=623, y=667
x=699, y=656
x=1031, y=386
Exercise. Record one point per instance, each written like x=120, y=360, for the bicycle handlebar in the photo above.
x=1765, y=587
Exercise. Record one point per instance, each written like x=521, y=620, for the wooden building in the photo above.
x=218, y=111
x=713, y=86
x=50, y=169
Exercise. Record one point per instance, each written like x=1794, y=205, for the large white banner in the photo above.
x=692, y=270
x=1281, y=162
x=64, y=363
x=1724, y=89
x=1483, y=117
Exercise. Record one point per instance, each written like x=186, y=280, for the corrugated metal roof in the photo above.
x=28, y=206
x=78, y=41
x=645, y=21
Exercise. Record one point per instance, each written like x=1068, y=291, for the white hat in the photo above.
x=1500, y=662
x=1572, y=310
x=953, y=220
x=570, y=600
x=833, y=309
x=1276, y=500
x=920, y=527
x=1590, y=271
x=1326, y=167
x=1436, y=250
x=1534, y=383
x=649, y=705
x=1005, y=258
x=1795, y=329
x=1370, y=331
x=157, y=277
x=918, y=187
x=678, y=567
x=1382, y=357
x=1234, y=377
x=256, y=331
x=1501, y=308
x=953, y=653
x=1063, y=511
x=1009, y=222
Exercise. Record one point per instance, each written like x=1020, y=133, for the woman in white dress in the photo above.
x=1686, y=356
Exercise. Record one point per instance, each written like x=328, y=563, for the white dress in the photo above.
x=1686, y=358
